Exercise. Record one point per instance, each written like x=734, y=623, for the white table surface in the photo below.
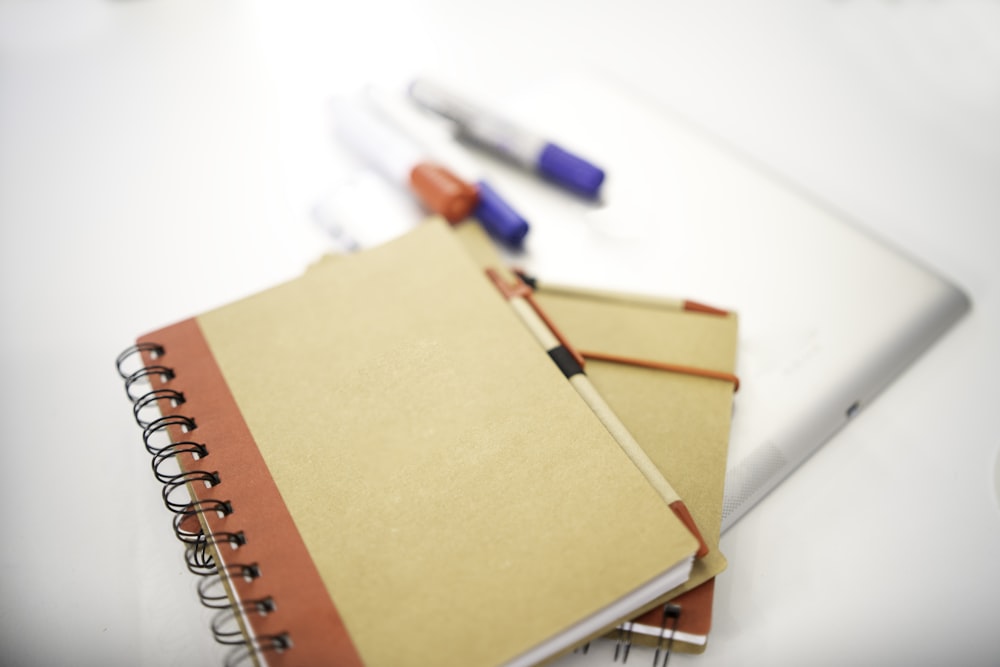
x=160, y=158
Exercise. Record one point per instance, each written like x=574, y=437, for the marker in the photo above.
x=394, y=156
x=509, y=141
x=497, y=217
x=518, y=294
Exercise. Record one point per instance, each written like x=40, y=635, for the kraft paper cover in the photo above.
x=459, y=500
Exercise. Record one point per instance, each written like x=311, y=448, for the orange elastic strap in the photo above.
x=521, y=289
x=698, y=307
x=672, y=368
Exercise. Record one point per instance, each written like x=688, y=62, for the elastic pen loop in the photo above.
x=520, y=289
x=671, y=368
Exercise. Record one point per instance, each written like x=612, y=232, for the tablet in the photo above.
x=829, y=314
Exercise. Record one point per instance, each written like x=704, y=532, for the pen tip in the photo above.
x=682, y=513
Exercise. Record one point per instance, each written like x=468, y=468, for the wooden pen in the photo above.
x=519, y=295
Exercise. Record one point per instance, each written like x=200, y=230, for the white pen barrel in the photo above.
x=479, y=126
x=379, y=144
x=505, y=139
x=431, y=133
x=435, y=98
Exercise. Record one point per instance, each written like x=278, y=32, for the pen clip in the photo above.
x=520, y=289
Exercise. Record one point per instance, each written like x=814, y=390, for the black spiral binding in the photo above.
x=147, y=408
x=671, y=614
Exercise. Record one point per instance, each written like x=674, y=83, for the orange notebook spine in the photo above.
x=664, y=626
x=239, y=537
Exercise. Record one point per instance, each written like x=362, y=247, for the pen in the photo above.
x=395, y=157
x=518, y=294
x=604, y=295
x=497, y=217
x=515, y=144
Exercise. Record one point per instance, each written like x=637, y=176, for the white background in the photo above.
x=160, y=158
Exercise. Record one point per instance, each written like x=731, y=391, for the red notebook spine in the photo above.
x=272, y=606
x=178, y=462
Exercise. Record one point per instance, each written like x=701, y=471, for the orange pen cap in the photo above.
x=443, y=192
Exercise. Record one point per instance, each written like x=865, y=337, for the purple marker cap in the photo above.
x=498, y=218
x=570, y=171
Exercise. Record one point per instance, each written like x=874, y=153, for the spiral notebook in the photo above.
x=379, y=449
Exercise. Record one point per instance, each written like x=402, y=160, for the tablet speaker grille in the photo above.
x=746, y=480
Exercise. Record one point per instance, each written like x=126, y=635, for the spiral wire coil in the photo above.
x=147, y=408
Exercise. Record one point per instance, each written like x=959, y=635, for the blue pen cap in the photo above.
x=570, y=171
x=498, y=218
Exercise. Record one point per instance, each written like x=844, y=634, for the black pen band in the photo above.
x=565, y=360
